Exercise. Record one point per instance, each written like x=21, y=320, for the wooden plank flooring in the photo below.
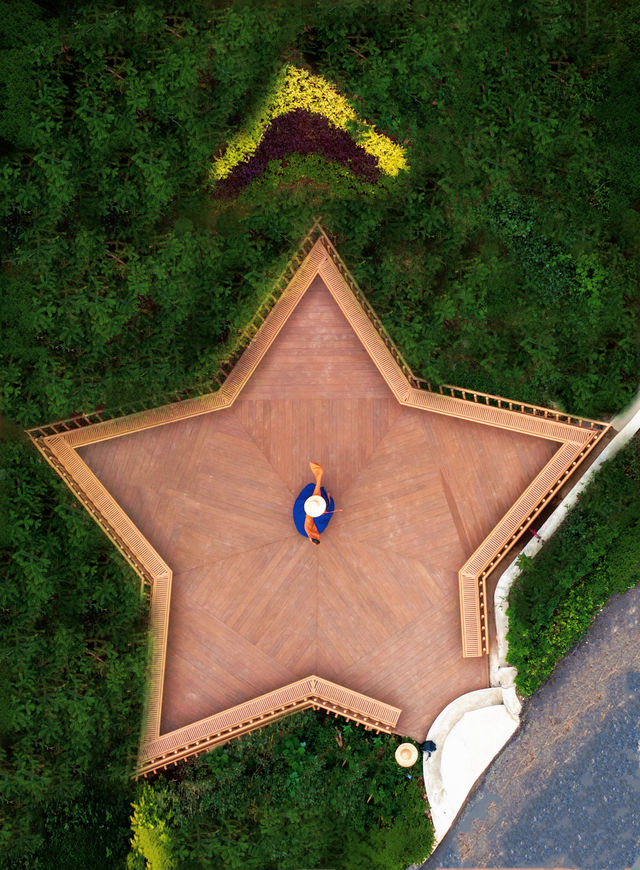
x=375, y=607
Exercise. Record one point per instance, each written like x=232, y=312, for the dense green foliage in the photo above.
x=72, y=656
x=506, y=259
x=595, y=553
x=307, y=791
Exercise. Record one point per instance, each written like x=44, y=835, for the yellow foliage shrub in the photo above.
x=152, y=839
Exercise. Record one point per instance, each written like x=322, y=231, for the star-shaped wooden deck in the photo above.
x=376, y=607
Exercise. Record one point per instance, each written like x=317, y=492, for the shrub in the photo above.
x=73, y=654
x=494, y=261
x=306, y=791
x=595, y=553
x=152, y=838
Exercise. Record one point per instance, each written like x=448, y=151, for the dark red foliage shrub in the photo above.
x=301, y=132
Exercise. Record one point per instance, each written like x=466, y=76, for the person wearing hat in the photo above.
x=315, y=505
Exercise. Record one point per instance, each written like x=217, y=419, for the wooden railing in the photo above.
x=58, y=442
x=220, y=728
x=576, y=437
x=244, y=340
x=83, y=483
x=203, y=388
x=512, y=405
x=143, y=558
x=378, y=325
x=472, y=577
x=446, y=389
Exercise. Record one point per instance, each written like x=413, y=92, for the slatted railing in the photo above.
x=378, y=325
x=419, y=383
x=201, y=391
x=472, y=577
x=375, y=343
x=106, y=512
x=60, y=441
x=511, y=405
x=312, y=691
x=501, y=418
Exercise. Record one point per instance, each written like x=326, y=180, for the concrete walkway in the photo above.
x=565, y=792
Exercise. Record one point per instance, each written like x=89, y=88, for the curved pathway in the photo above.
x=565, y=792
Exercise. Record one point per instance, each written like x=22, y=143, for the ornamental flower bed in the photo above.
x=296, y=89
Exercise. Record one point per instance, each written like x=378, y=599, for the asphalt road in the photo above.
x=565, y=792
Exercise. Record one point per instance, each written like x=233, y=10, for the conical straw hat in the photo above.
x=406, y=754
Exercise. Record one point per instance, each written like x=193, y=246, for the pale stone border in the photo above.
x=444, y=804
